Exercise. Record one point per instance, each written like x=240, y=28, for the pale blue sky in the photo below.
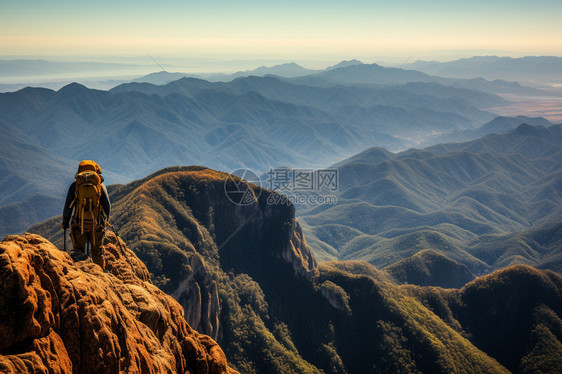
x=287, y=30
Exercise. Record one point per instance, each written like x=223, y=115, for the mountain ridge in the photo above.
x=293, y=71
x=280, y=311
x=454, y=198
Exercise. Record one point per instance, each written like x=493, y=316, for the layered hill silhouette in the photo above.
x=244, y=274
x=252, y=122
x=356, y=72
x=530, y=68
x=259, y=122
x=465, y=73
x=459, y=199
x=60, y=316
x=498, y=125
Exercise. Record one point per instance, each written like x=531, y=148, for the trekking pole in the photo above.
x=64, y=240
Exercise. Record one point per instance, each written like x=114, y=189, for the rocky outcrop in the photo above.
x=198, y=295
x=336, y=296
x=58, y=316
x=297, y=253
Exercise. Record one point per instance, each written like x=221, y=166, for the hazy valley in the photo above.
x=251, y=122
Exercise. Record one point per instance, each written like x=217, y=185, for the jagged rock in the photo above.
x=336, y=296
x=198, y=295
x=297, y=252
x=64, y=317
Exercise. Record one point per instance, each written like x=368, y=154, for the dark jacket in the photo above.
x=71, y=194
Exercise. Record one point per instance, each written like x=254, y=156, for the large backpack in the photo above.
x=87, y=207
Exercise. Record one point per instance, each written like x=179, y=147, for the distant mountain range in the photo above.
x=17, y=74
x=286, y=70
x=472, y=202
x=251, y=122
x=545, y=69
x=195, y=110
x=346, y=72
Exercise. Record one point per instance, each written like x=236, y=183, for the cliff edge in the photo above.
x=58, y=316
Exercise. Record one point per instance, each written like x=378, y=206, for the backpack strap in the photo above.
x=82, y=220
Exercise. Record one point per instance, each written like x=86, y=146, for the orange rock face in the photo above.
x=57, y=316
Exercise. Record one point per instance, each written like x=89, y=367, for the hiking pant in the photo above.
x=95, y=238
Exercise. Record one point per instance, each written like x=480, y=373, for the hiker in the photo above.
x=88, y=197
